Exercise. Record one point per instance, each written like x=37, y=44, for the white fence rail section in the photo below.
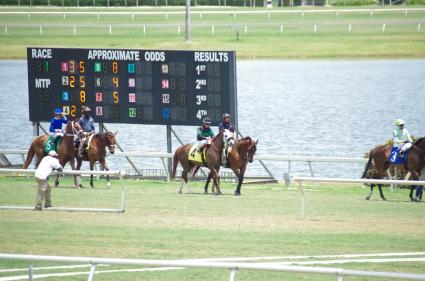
x=165, y=156
x=300, y=180
x=120, y=175
x=235, y=13
x=232, y=266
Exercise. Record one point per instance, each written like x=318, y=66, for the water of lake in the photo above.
x=317, y=108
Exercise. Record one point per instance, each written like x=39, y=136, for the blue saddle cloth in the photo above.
x=395, y=156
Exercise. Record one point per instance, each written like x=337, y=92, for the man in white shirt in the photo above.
x=46, y=167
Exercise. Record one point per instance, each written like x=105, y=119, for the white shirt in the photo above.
x=46, y=167
x=401, y=136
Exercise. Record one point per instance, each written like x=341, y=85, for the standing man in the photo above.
x=87, y=125
x=46, y=167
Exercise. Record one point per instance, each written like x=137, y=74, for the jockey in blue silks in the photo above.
x=402, y=139
x=56, y=124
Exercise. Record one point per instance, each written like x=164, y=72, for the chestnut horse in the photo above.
x=213, y=160
x=242, y=152
x=97, y=152
x=380, y=156
x=65, y=151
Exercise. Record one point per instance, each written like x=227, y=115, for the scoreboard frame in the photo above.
x=160, y=87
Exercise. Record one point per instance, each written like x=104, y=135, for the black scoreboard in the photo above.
x=132, y=86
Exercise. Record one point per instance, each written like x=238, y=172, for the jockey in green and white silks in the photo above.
x=204, y=133
x=402, y=138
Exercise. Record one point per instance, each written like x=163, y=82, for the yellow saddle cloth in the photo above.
x=195, y=155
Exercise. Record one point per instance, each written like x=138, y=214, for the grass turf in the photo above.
x=262, y=39
x=159, y=223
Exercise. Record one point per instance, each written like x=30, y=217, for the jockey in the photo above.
x=229, y=136
x=225, y=123
x=402, y=139
x=56, y=124
x=204, y=133
x=87, y=125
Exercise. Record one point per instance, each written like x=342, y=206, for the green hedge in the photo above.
x=352, y=2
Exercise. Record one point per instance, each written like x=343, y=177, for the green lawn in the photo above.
x=263, y=37
x=159, y=223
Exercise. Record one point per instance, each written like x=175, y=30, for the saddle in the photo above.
x=195, y=154
x=49, y=144
x=395, y=156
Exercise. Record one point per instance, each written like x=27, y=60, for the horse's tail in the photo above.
x=29, y=158
x=175, y=163
x=367, y=167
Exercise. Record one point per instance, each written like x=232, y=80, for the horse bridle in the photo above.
x=74, y=131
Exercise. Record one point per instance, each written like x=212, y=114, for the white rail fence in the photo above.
x=247, y=28
x=233, y=267
x=164, y=157
x=119, y=174
x=301, y=180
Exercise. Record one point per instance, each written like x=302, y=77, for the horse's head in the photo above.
x=251, y=150
x=111, y=141
x=228, y=135
x=73, y=128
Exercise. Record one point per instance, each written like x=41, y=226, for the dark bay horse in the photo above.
x=97, y=152
x=65, y=152
x=242, y=152
x=380, y=156
x=213, y=161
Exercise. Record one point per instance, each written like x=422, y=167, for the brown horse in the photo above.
x=242, y=152
x=380, y=156
x=97, y=152
x=65, y=151
x=213, y=161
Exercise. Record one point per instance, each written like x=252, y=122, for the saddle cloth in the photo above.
x=195, y=155
x=49, y=144
x=395, y=156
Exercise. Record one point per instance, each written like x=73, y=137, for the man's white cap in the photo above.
x=53, y=153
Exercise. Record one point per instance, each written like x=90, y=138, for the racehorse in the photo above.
x=213, y=161
x=65, y=152
x=380, y=156
x=97, y=152
x=242, y=152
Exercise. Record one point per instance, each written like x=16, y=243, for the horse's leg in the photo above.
x=216, y=180
x=371, y=191
x=207, y=183
x=77, y=179
x=240, y=176
x=106, y=168
x=381, y=193
x=184, y=180
x=91, y=176
x=79, y=163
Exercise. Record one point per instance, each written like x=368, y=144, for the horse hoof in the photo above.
x=107, y=184
x=80, y=186
x=56, y=184
x=237, y=194
x=367, y=198
x=205, y=192
x=180, y=192
x=385, y=199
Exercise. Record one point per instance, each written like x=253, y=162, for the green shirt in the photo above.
x=204, y=133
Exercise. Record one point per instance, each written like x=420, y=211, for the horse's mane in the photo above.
x=420, y=141
x=218, y=135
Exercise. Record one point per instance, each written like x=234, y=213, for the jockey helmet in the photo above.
x=226, y=115
x=58, y=110
x=399, y=122
x=53, y=153
x=86, y=109
x=206, y=120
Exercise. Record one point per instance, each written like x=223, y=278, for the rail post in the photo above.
x=92, y=272
x=30, y=273
x=232, y=274
x=121, y=177
x=169, y=150
x=302, y=200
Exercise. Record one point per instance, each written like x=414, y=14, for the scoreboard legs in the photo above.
x=169, y=150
